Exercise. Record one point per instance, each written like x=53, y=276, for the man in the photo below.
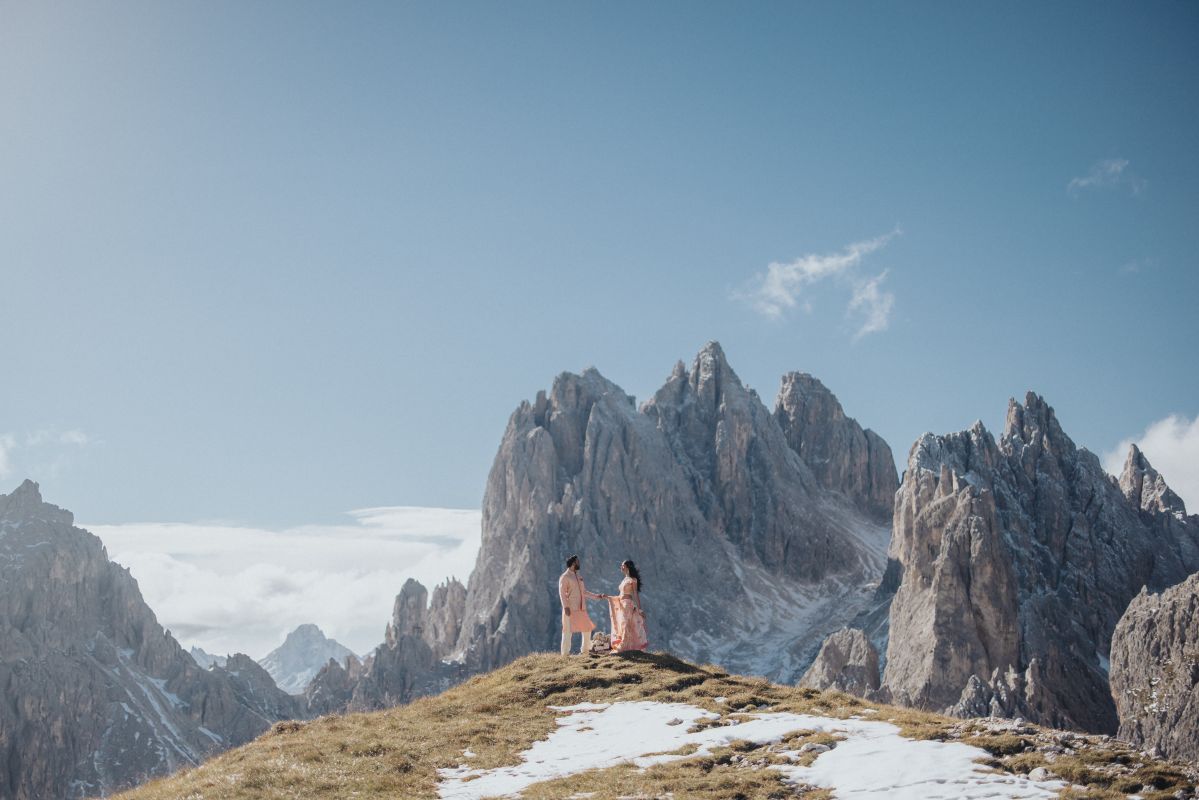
x=574, y=596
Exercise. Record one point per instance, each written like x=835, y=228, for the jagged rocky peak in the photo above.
x=332, y=688
x=1155, y=671
x=443, y=621
x=206, y=659
x=94, y=695
x=1145, y=488
x=26, y=501
x=1017, y=560
x=408, y=613
x=411, y=662
x=844, y=456
x=697, y=485
x=436, y=620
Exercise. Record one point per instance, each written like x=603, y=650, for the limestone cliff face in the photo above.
x=748, y=559
x=94, y=695
x=1155, y=671
x=412, y=662
x=332, y=688
x=1017, y=560
x=844, y=457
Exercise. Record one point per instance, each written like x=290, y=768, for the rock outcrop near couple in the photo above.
x=1018, y=558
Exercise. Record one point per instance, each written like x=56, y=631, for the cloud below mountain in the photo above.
x=227, y=587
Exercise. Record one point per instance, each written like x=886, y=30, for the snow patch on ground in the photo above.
x=874, y=761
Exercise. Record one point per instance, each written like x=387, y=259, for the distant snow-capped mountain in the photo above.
x=302, y=654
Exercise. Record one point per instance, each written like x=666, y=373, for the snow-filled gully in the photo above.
x=873, y=760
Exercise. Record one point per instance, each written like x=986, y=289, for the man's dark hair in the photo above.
x=571, y=561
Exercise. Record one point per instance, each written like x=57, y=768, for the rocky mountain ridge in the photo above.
x=750, y=554
x=94, y=694
x=1017, y=558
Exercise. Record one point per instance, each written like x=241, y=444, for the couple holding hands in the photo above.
x=628, y=620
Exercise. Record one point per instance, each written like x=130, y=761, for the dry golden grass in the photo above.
x=396, y=753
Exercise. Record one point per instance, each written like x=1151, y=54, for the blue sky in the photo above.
x=270, y=262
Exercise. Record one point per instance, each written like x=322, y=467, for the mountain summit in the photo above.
x=302, y=654
x=1018, y=558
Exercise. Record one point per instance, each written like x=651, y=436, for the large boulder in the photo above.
x=847, y=662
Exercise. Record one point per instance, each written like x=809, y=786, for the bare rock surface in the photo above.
x=332, y=688
x=1017, y=559
x=1155, y=671
x=412, y=662
x=749, y=557
x=848, y=662
x=94, y=695
x=844, y=457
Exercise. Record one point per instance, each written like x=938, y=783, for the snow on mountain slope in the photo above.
x=301, y=656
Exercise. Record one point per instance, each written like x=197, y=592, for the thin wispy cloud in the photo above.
x=1172, y=446
x=1137, y=266
x=782, y=287
x=1108, y=174
x=237, y=588
x=873, y=304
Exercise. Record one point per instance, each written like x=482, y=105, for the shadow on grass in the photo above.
x=660, y=660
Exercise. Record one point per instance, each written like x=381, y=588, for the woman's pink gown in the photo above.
x=628, y=623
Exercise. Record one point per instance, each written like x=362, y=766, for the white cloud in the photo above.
x=1172, y=447
x=873, y=304
x=781, y=287
x=1109, y=173
x=230, y=588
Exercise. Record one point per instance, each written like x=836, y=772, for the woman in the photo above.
x=628, y=620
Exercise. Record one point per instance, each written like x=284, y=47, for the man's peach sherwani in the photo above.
x=574, y=595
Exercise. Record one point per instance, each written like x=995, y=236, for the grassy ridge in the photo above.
x=396, y=753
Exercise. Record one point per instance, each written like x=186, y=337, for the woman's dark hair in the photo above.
x=633, y=573
x=571, y=560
